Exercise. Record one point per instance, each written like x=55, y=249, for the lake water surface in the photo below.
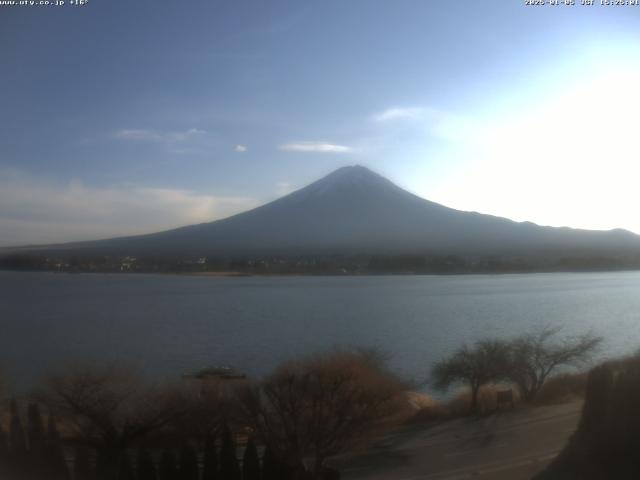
x=168, y=325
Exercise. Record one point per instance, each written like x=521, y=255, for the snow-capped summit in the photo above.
x=351, y=177
x=352, y=181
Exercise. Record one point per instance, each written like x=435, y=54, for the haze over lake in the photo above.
x=169, y=325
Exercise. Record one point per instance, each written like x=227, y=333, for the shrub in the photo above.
x=607, y=440
x=251, y=462
x=485, y=362
x=229, y=468
x=145, y=466
x=535, y=356
x=210, y=461
x=320, y=407
x=188, y=463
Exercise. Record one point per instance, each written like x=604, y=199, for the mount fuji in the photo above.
x=356, y=211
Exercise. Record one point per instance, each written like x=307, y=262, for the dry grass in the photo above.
x=563, y=388
x=421, y=409
x=418, y=401
x=459, y=405
x=435, y=413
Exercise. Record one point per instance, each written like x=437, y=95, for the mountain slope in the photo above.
x=354, y=210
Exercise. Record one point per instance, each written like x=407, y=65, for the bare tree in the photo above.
x=475, y=366
x=534, y=356
x=203, y=414
x=311, y=410
x=110, y=408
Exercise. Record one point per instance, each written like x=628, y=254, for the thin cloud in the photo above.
x=315, y=147
x=240, y=148
x=397, y=113
x=33, y=211
x=146, y=135
x=283, y=188
x=447, y=125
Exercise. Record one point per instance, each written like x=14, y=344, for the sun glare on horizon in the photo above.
x=569, y=159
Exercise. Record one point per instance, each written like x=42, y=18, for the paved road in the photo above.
x=512, y=445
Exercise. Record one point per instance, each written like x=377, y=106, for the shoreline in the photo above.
x=236, y=274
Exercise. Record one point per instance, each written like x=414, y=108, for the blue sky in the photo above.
x=124, y=117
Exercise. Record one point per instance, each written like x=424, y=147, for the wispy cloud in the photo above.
x=146, y=135
x=444, y=124
x=136, y=134
x=35, y=211
x=240, y=148
x=315, y=147
x=283, y=188
x=399, y=113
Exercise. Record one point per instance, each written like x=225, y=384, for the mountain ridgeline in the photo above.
x=354, y=211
